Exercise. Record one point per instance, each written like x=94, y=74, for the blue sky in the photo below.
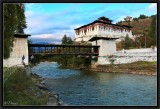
x=49, y=22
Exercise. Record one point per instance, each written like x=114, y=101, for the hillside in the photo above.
x=139, y=25
x=142, y=26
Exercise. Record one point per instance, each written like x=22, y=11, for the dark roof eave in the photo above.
x=105, y=38
x=22, y=35
x=103, y=23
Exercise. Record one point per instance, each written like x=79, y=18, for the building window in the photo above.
x=85, y=32
x=92, y=28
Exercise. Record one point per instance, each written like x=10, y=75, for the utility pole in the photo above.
x=145, y=39
x=144, y=34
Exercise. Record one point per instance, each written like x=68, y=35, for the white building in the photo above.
x=102, y=27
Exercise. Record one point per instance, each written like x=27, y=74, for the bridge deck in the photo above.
x=56, y=49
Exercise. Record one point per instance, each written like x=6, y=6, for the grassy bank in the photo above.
x=20, y=89
x=141, y=67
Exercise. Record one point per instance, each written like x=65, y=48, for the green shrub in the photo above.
x=19, y=89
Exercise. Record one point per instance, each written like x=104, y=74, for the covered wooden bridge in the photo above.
x=62, y=49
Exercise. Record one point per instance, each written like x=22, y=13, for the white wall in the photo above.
x=107, y=47
x=138, y=50
x=20, y=48
x=130, y=56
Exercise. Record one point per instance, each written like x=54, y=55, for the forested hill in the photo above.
x=145, y=25
x=142, y=24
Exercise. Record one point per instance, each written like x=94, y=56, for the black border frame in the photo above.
x=80, y=1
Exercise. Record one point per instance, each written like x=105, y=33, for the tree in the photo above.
x=128, y=42
x=153, y=29
x=14, y=22
x=66, y=40
x=119, y=23
x=21, y=25
x=142, y=16
x=135, y=19
x=69, y=40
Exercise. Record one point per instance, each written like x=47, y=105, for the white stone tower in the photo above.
x=20, y=48
x=107, y=45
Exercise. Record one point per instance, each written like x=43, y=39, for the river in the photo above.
x=81, y=88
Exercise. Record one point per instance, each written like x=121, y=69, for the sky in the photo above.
x=49, y=22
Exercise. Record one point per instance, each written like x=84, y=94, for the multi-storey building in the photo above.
x=102, y=27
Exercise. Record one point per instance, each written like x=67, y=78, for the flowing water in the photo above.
x=81, y=88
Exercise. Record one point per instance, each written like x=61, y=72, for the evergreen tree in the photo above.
x=66, y=40
x=135, y=19
x=14, y=22
x=69, y=40
x=153, y=30
x=21, y=25
x=142, y=16
x=128, y=42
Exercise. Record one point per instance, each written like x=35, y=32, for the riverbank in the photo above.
x=24, y=88
x=20, y=90
x=140, y=67
x=53, y=99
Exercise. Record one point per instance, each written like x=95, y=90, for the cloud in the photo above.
x=44, y=36
x=153, y=7
x=51, y=26
x=34, y=7
x=53, y=37
x=29, y=13
x=50, y=38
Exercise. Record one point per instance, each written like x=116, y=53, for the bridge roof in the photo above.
x=60, y=45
